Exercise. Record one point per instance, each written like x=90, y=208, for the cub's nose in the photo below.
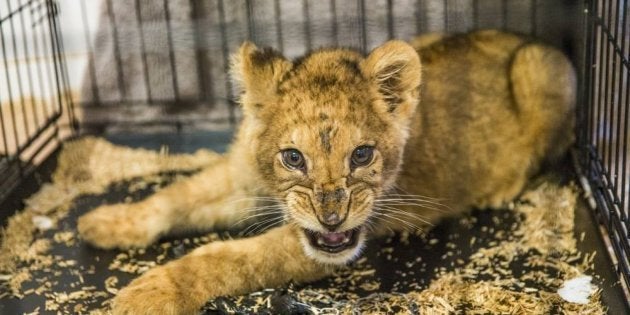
x=331, y=221
x=331, y=196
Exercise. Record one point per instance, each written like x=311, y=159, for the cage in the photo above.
x=149, y=73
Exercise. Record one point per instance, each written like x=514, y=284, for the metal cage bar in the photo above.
x=292, y=27
x=33, y=88
x=603, y=120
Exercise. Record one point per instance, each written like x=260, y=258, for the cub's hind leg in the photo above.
x=208, y=199
x=543, y=85
x=544, y=88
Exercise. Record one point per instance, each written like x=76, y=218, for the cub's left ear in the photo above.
x=395, y=69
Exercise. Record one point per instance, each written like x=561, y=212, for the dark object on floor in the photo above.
x=286, y=302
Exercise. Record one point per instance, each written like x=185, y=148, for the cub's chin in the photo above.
x=335, y=248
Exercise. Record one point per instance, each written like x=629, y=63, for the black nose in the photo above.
x=331, y=221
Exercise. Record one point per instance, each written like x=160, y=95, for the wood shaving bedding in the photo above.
x=541, y=244
x=86, y=166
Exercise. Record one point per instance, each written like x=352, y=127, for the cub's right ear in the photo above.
x=257, y=73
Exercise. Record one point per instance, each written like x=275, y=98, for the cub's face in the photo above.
x=328, y=133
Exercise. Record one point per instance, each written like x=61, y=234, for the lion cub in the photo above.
x=343, y=146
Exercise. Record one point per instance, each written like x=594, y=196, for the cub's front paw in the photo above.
x=118, y=226
x=154, y=293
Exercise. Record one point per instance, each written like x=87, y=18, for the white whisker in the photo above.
x=414, y=196
x=266, y=213
x=255, y=209
x=386, y=220
x=264, y=225
x=430, y=206
x=407, y=213
x=402, y=205
x=433, y=202
x=411, y=225
x=254, y=198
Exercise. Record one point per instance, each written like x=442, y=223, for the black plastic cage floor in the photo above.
x=390, y=266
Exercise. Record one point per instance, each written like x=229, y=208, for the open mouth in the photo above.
x=333, y=242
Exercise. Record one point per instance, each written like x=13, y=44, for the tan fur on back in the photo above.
x=453, y=122
x=493, y=108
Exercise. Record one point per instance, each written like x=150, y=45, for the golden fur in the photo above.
x=494, y=106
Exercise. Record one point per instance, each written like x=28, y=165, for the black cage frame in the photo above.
x=603, y=119
x=28, y=139
x=599, y=46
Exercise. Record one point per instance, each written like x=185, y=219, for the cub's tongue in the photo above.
x=333, y=238
x=332, y=242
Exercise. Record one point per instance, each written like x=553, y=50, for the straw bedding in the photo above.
x=514, y=263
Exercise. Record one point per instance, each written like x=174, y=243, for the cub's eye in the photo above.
x=292, y=158
x=362, y=156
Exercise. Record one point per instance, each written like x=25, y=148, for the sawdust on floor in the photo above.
x=86, y=166
x=543, y=242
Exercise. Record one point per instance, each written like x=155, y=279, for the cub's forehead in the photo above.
x=332, y=108
x=324, y=70
x=326, y=136
x=327, y=83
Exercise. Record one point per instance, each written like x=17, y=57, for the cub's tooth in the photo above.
x=345, y=239
x=320, y=241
